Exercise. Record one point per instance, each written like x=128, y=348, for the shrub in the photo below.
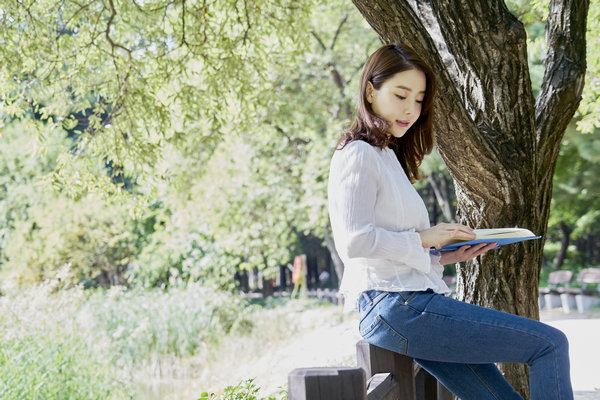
x=245, y=390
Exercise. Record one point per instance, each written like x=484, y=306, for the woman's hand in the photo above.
x=465, y=253
x=442, y=234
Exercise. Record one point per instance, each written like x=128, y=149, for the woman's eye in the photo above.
x=401, y=97
x=420, y=101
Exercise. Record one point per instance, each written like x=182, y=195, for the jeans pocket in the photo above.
x=368, y=300
x=380, y=333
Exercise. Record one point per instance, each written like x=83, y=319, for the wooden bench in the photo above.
x=550, y=297
x=381, y=375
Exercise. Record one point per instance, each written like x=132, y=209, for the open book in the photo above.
x=502, y=236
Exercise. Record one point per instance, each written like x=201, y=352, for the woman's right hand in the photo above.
x=442, y=234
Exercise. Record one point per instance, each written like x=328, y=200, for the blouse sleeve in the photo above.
x=353, y=189
x=435, y=264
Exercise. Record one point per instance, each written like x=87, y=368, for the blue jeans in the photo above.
x=459, y=343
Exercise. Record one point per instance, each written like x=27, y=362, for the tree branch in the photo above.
x=183, y=40
x=335, y=74
x=563, y=82
x=337, y=32
x=319, y=40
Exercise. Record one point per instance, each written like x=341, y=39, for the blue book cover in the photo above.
x=502, y=236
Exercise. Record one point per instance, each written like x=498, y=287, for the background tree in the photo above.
x=498, y=141
x=575, y=214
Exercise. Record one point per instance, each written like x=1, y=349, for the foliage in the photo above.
x=240, y=115
x=576, y=191
x=187, y=67
x=92, y=238
x=45, y=231
x=245, y=390
x=24, y=162
x=175, y=250
x=264, y=185
x=574, y=261
x=589, y=109
x=177, y=142
x=129, y=336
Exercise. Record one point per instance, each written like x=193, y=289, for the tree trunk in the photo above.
x=434, y=204
x=338, y=264
x=565, y=239
x=499, y=145
x=442, y=194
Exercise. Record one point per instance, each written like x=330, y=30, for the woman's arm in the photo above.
x=353, y=188
x=466, y=253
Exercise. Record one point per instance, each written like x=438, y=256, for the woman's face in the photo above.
x=399, y=100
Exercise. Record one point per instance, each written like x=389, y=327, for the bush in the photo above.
x=245, y=390
x=91, y=236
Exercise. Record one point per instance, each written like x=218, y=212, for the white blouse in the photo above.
x=375, y=215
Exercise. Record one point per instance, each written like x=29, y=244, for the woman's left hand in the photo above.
x=466, y=253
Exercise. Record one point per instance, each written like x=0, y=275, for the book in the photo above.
x=502, y=236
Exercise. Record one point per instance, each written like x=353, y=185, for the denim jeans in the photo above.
x=459, y=343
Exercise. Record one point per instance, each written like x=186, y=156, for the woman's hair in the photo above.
x=412, y=147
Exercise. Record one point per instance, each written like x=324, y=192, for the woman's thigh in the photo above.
x=429, y=326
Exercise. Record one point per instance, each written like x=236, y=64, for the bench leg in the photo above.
x=585, y=302
x=552, y=301
x=568, y=302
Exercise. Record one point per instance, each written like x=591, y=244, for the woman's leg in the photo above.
x=428, y=326
x=471, y=381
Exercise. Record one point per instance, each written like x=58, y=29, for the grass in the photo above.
x=96, y=344
x=78, y=344
x=54, y=366
x=44, y=354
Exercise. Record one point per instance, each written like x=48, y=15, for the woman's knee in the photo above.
x=553, y=341
x=559, y=339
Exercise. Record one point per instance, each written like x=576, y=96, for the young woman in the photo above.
x=382, y=233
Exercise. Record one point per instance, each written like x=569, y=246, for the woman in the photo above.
x=382, y=233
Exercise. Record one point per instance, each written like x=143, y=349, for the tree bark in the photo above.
x=499, y=145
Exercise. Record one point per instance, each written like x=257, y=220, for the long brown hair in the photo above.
x=418, y=141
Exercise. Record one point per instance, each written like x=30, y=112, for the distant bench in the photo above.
x=559, y=293
x=381, y=375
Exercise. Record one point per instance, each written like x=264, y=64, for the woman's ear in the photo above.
x=370, y=92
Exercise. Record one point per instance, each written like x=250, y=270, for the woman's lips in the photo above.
x=402, y=124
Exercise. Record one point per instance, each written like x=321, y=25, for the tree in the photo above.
x=144, y=73
x=498, y=141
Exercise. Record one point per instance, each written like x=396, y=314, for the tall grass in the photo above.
x=45, y=355
x=76, y=344
x=148, y=328
x=54, y=365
